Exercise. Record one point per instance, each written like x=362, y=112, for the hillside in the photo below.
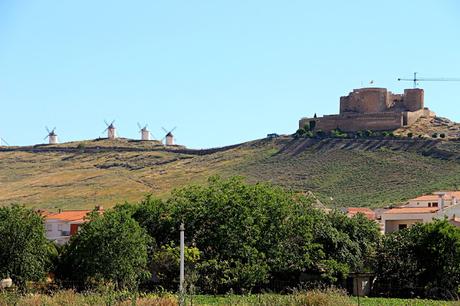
x=340, y=172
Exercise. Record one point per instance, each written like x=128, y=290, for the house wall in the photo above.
x=414, y=203
x=56, y=228
x=393, y=225
x=391, y=221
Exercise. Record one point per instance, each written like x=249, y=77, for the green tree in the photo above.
x=245, y=233
x=111, y=247
x=423, y=260
x=24, y=250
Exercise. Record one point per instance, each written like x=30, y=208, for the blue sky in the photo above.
x=223, y=72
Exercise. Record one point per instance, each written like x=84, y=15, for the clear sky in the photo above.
x=223, y=72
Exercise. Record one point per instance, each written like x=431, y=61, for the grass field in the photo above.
x=340, y=172
x=329, y=298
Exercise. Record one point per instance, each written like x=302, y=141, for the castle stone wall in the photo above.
x=357, y=122
x=374, y=109
x=365, y=100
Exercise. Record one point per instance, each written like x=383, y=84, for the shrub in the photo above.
x=337, y=133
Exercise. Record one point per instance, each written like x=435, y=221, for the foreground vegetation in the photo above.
x=240, y=238
x=317, y=298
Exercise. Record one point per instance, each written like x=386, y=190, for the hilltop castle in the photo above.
x=375, y=109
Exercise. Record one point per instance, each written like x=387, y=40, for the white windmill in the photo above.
x=145, y=133
x=52, y=136
x=169, y=137
x=111, y=130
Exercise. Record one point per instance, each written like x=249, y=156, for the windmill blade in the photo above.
x=139, y=126
x=151, y=135
x=46, y=137
x=164, y=130
x=1, y=139
x=105, y=130
x=106, y=123
x=113, y=121
x=47, y=129
x=173, y=129
x=54, y=129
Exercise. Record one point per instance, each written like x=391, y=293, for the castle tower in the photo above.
x=414, y=99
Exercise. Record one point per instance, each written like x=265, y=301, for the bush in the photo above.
x=337, y=133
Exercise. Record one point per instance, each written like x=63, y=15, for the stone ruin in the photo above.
x=375, y=109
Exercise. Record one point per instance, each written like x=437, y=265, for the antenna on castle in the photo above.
x=416, y=80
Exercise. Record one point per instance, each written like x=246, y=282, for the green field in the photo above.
x=340, y=172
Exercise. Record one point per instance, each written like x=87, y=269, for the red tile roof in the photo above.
x=435, y=197
x=68, y=215
x=412, y=210
x=369, y=213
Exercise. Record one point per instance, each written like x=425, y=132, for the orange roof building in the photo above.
x=60, y=226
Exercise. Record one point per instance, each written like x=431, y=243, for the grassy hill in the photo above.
x=340, y=172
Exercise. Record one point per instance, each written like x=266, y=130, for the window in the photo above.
x=402, y=226
x=434, y=204
x=49, y=227
x=59, y=227
x=429, y=204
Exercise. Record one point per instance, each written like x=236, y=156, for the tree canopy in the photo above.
x=249, y=234
x=24, y=250
x=109, y=248
x=423, y=260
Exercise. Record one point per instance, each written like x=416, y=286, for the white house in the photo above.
x=422, y=210
x=60, y=226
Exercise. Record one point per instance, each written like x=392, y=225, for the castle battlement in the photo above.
x=373, y=109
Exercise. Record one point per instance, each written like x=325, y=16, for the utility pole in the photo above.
x=181, y=273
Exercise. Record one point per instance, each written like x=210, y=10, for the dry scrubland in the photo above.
x=340, y=172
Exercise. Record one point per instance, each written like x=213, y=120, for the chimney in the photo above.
x=59, y=210
x=440, y=200
x=99, y=207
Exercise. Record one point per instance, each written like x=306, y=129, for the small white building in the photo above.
x=60, y=226
x=422, y=210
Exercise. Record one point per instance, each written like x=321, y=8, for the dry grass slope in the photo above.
x=341, y=172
